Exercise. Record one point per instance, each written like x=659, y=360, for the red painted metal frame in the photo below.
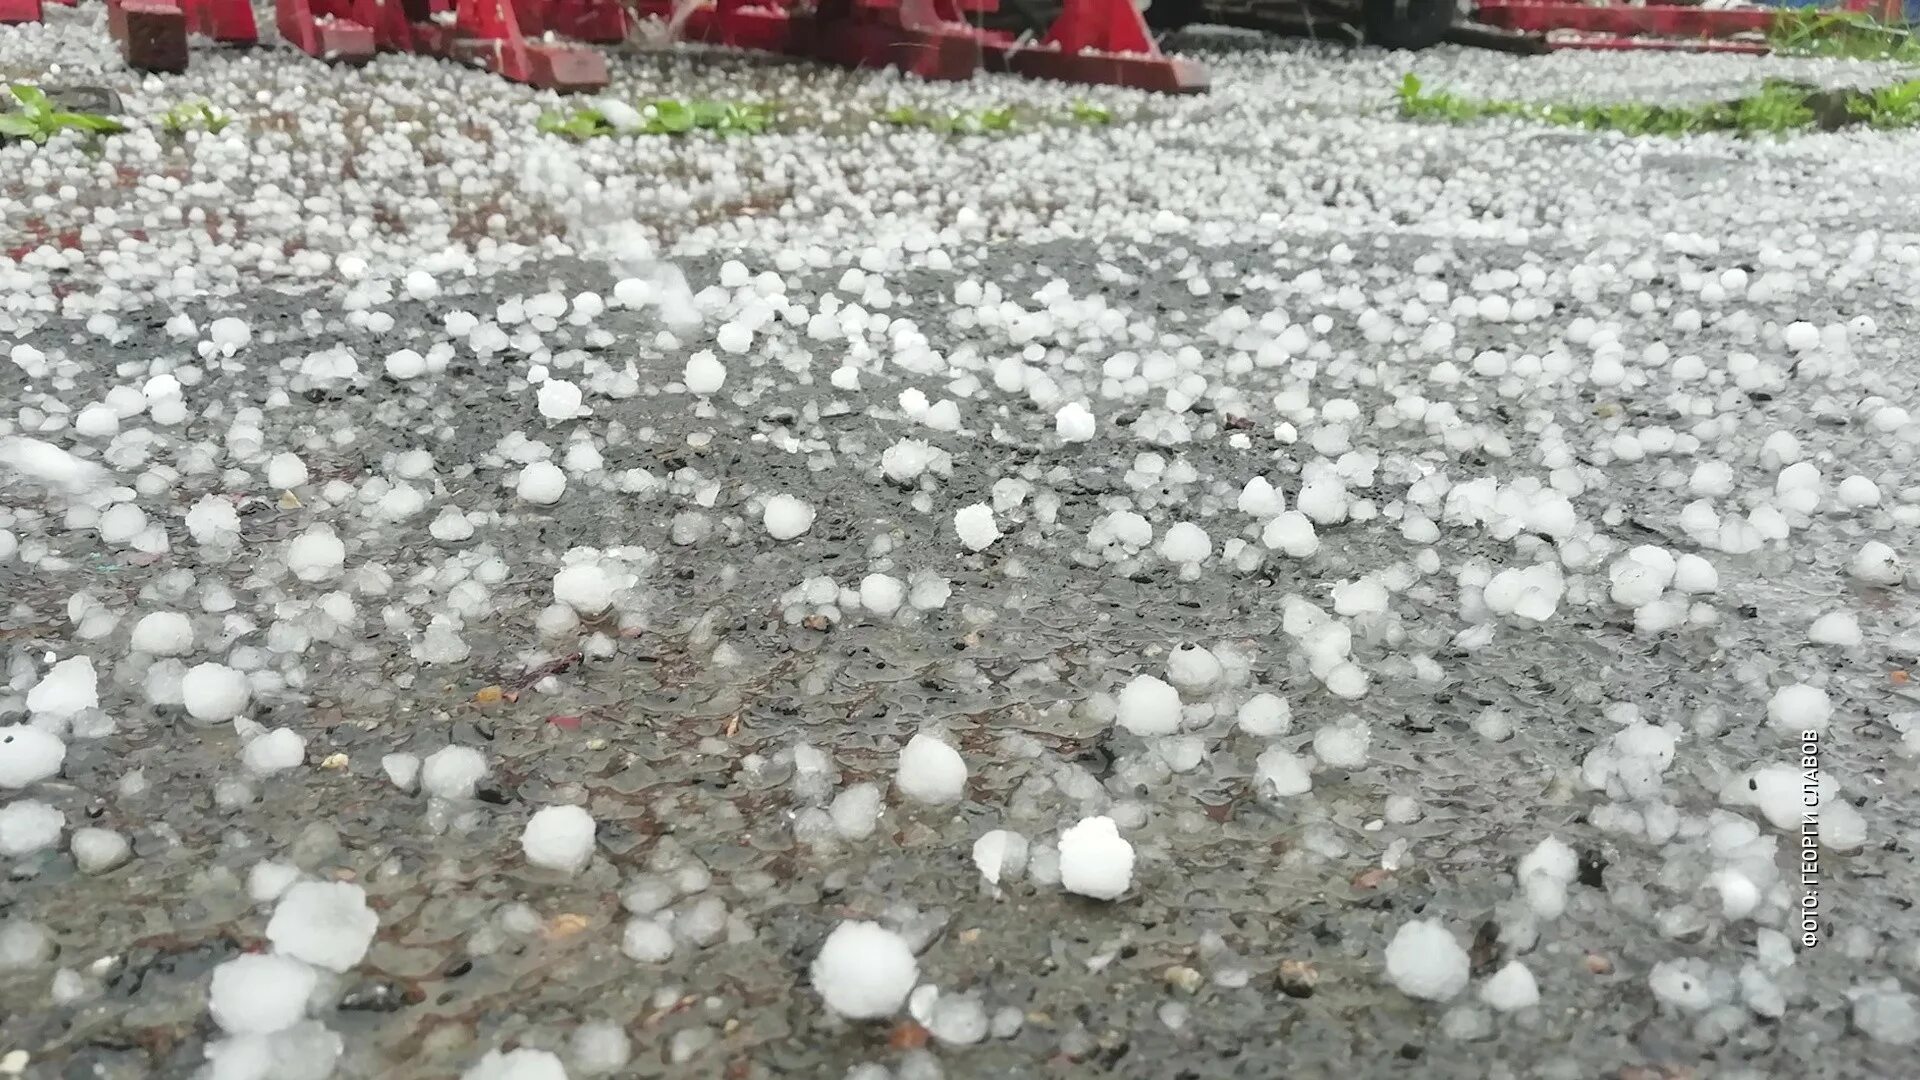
x=332, y=30
x=152, y=34
x=1540, y=16
x=1655, y=27
x=600, y=21
x=19, y=11
x=1105, y=41
x=741, y=24
x=928, y=38
x=1092, y=41
x=506, y=37
x=1611, y=43
x=229, y=22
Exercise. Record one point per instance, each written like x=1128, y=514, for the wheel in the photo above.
x=1407, y=24
x=1173, y=14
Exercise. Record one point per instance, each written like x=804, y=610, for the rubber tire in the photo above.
x=1165, y=15
x=1423, y=25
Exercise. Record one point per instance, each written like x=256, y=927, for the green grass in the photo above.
x=1843, y=34
x=672, y=117
x=1895, y=106
x=993, y=121
x=1777, y=108
x=193, y=114
x=666, y=116
x=38, y=119
x=1088, y=113
x=978, y=122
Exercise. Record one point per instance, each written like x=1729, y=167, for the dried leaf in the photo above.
x=1485, y=950
x=1184, y=978
x=551, y=667
x=907, y=1035
x=565, y=925
x=1371, y=878
x=1298, y=978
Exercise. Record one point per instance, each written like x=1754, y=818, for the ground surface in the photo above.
x=1454, y=352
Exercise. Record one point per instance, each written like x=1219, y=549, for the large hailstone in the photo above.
x=931, y=771
x=786, y=517
x=1798, y=708
x=864, y=971
x=558, y=400
x=317, y=554
x=453, y=772
x=541, y=483
x=29, y=755
x=1424, y=961
x=324, y=923
x=1074, y=423
x=214, y=693
x=975, y=527
x=69, y=688
x=559, y=838
x=259, y=994
x=163, y=633
x=705, y=374
x=587, y=588
x=525, y=1063
x=1148, y=706
x=1095, y=860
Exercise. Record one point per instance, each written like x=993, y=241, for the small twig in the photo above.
x=551, y=667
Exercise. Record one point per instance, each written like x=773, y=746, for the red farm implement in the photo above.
x=152, y=34
x=19, y=11
x=1652, y=27
x=546, y=43
x=1090, y=41
x=540, y=43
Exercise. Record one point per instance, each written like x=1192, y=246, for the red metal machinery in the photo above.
x=19, y=11
x=1104, y=41
x=1653, y=26
x=507, y=37
x=1092, y=41
x=334, y=30
x=587, y=20
x=153, y=33
x=1665, y=20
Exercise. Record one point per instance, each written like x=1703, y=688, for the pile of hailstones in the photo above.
x=319, y=930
